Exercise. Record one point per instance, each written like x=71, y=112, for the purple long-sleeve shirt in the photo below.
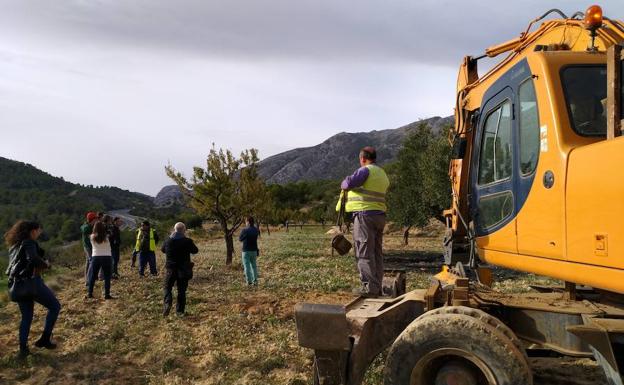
x=357, y=179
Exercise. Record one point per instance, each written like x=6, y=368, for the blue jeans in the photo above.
x=250, y=267
x=146, y=257
x=115, y=253
x=106, y=265
x=45, y=297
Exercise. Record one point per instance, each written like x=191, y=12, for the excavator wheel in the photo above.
x=455, y=349
x=486, y=318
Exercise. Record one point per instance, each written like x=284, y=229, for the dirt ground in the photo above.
x=231, y=334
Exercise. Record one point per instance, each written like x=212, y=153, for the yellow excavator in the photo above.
x=537, y=175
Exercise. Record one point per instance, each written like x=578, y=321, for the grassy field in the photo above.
x=231, y=334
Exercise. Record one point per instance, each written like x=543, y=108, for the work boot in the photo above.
x=23, y=353
x=166, y=309
x=45, y=342
x=364, y=292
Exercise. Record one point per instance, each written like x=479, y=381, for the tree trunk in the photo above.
x=406, y=235
x=229, y=244
x=268, y=231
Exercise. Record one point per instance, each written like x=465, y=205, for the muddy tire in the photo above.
x=484, y=317
x=454, y=348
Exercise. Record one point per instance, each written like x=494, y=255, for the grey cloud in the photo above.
x=435, y=32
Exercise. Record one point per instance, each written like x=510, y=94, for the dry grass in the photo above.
x=231, y=335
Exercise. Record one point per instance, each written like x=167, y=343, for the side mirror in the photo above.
x=459, y=148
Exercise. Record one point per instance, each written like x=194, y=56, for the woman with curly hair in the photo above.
x=26, y=262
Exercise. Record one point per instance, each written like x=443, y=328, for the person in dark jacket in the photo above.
x=115, y=242
x=26, y=263
x=86, y=229
x=249, y=237
x=178, y=249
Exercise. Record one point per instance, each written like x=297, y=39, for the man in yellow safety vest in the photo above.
x=146, y=248
x=366, y=199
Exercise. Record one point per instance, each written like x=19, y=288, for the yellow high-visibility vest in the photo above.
x=152, y=244
x=371, y=195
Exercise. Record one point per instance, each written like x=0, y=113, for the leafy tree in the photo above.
x=70, y=230
x=226, y=190
x=420, y=188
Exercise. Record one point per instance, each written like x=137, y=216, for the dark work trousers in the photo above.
x=87, y=263
x=368, y=237
x=115, y=252
x=106, y=265
x=146, y=257
x=45, y=297
x=171, y=278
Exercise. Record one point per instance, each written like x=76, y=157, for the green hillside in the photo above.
x=29, y=193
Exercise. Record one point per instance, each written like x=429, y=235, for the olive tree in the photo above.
x=420, y=187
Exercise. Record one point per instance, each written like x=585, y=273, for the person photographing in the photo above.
x=178, y=267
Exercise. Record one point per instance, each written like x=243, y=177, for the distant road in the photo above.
x=130, y=221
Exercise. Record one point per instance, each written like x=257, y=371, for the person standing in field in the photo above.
x=178, y=266
x=249, y=238
x=86, y=230
x=26, y=263
x=115, y=241
x=108, y=224
x=365, y=192
x=101, y=259
x=145, y=246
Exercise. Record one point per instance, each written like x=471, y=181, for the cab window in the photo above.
x=495, y=161
x=529, y=127
x=585, y=89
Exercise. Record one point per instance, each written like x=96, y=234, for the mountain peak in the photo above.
x=337, y=156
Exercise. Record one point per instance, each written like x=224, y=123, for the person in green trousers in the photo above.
x=249, y=237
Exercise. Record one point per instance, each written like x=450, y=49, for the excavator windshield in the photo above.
x=585, y=89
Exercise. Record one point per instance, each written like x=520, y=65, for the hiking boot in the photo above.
x=364, y=293
x=166, y=309
x=23, y=353
x=45, y=342
x=109, y=297
x=180, y=314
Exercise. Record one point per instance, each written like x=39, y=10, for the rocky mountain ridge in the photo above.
x=337, y=156
x=332, y=159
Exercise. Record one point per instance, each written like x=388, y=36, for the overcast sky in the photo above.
x=107, y=92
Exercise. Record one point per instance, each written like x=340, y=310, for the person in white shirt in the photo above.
x=101, y=259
